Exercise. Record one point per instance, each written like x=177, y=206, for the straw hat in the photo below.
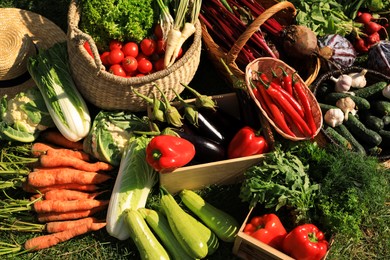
x=22, y=33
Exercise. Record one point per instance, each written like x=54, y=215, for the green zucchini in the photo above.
x=361, y=132
x=361, y=103
x=356, y=146
x=188, y=235
x=337, y=138
x=371, y=91
x=224, y=225
x=381, y=107
x=147, y=244
x=159, y=224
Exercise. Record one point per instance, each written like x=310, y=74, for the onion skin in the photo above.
x=300, y=42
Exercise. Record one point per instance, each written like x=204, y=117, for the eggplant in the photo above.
x=206, y=150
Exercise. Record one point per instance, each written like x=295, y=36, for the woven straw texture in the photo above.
x=266, y=65
x=282, y=11
x=21, y=33
x=111, y=92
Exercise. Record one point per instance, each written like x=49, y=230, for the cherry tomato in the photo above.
x=145, y=66
x=159, y=64
x=117, y=70
x=104, y=58
x=115, y=57
x=129, y=64
x=115, y=44
x=160, y=48
x=130, y=49
x=88, y=48
x=148, y=46
x=158, y=32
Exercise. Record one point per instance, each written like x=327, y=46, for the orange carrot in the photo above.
x=51, y=161
x=55, y=137
x=46, y=241
x=60, y=206
x=59, y=226
x=64, y=194
x=39, y=148
x=64, y=175
x=55, y=216
x=70, y=186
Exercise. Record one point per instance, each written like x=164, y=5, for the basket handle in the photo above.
x=253, y=27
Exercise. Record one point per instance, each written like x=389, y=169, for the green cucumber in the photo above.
x=337, y=138
x=325, y=107
x=373, y=122
x=386, y=120
x=381, y=107
x=371, y=91
x=159, y=224
x=356, y=146
x=147, y=244
x=361, y=132
x=221, y=223
x=385, y=134
x=361, y=103
x=188, y=235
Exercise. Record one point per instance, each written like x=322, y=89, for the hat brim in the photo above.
x=43, y=32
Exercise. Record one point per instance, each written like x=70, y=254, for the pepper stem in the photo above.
x=201, y=100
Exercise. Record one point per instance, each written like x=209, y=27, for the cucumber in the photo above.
x=325, y=107
x=188, y=235
x=385, y=134
x=371, y=91
x=386, y=120
x=220, y=222
x=361, y=103
x=361, y=132
x=381, y=107
x=159, y=224
x=337, y=138
x=356, y=146
x=373, y=122
x=147, y=244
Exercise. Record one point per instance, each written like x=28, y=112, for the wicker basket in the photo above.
x=266, y=65
x=107, y=91
x=281, y=11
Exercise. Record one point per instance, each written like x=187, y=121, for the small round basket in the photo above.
x=266, y=66
x=107, y=91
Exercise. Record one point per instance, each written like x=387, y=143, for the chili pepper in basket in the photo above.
x=268, y=229
x=166, y=153
x=287, y=81
x=247, y=142
x=276, y=78
x=305, y=242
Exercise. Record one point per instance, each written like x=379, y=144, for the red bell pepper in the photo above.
x=305, y=242
x=166, y=153
x=246, y=142
x=268, y=229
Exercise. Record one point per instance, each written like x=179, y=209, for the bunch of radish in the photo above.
x=374, y=30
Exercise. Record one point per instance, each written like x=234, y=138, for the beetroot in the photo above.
x=338, y=50
x=300, y=41
x=379, y=57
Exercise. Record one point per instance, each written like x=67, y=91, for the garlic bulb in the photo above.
x=386, y=92
x=334, y=117
x=343, y=83
x=347, y=105
x=358, y=79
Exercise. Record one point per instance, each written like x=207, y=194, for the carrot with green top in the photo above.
x=59, y=226
x=60, y=206
x=51, y=161
x=55, y=216
x=70, y=186
x=55, y=137
x=39, y=148
x=65, y=194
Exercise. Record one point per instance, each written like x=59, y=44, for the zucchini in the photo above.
x=188, y=235
x=337, y=138
x=159, y=224
x=356, y=146
x=223, y=224
x=381, y=107
x=147, y=244
x=361, y=103
x=361, y=132
x=371, y=91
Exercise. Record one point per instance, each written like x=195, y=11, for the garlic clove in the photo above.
x=358, y=79
x=334, y=117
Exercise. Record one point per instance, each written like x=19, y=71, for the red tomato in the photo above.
x=129, y=64
x=104, y=58
x=130, y=49
x=115, y=57
x=115, y=44
x=148, y=46
x=117, y=70
x=179, y=54
x=160, y=48
x=88, y=48
x=145, y=66
x=159, y=64
x=158, y=31
x=141, y=56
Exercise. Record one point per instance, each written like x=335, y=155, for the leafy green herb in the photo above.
x=281, y=180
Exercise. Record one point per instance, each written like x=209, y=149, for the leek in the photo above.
x=50, y=71
x=132, y=186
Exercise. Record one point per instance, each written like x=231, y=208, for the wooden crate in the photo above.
x=220, y=172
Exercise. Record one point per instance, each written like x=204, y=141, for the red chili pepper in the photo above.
x=276, y=78
x=275, y=114
x=287, y=81
x=166, y=153
x=260, y=98
x=286, y=106
x=268, y=229
x=305, y=242
x=247, y=142
x=306, y=106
